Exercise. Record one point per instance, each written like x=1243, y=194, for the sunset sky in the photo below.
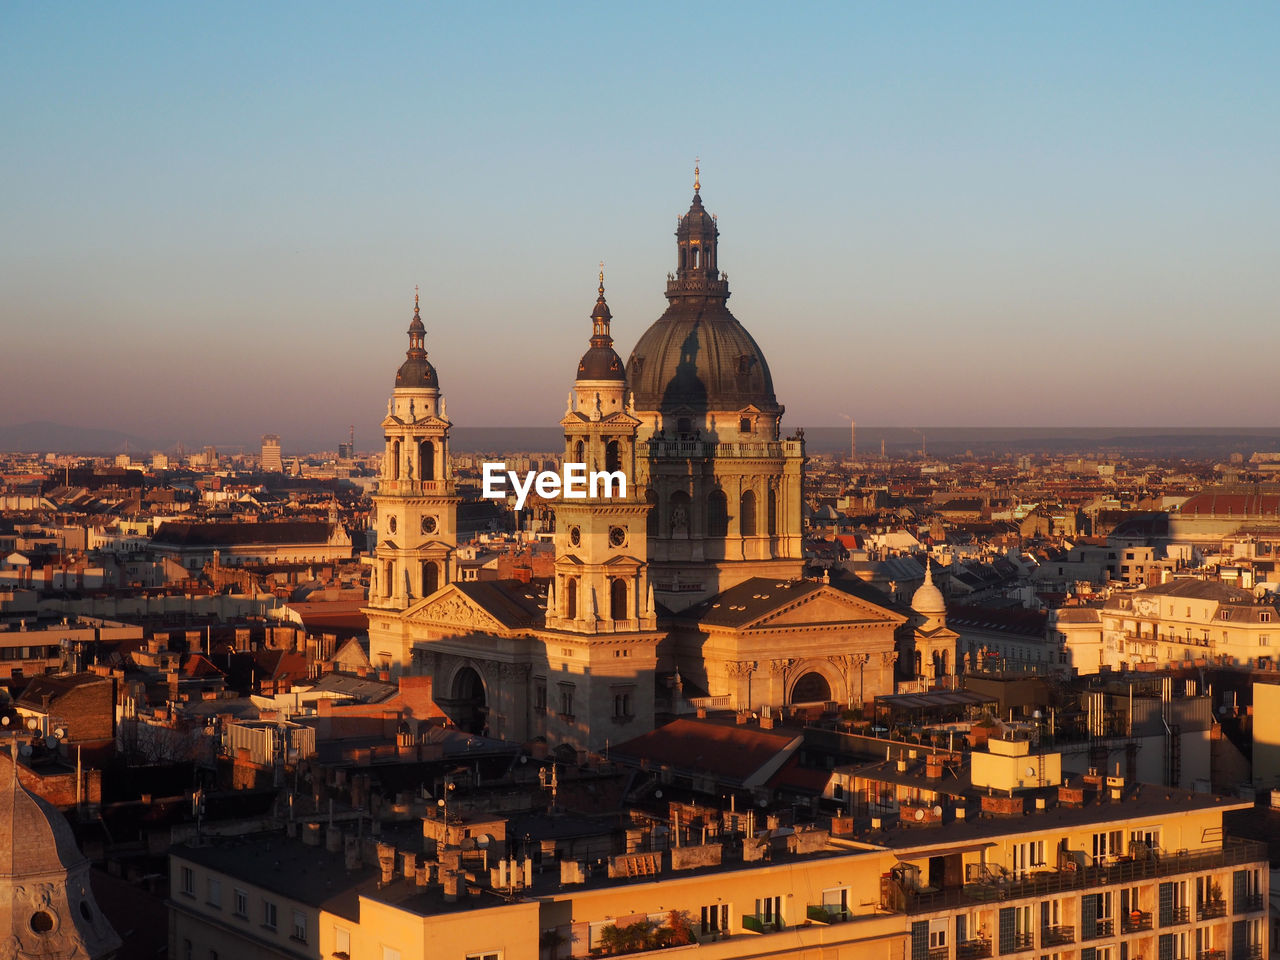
x=931, y=214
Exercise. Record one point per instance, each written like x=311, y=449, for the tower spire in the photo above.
x=697, y=175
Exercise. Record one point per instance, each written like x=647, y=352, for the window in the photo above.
x=241, y=904
x=540, y=694
x=213, y=892
x=390, y=953
x=484, y=956
x=268, y=914
x=1225, y=615
x=1264, y=616
x=186, y=950
x=566, y=699
x=1028, y=855
x=744, y=425
x=769, y=911
x=1110, y=843
x=622, y=706
x=342, y=942
x=715, y=919
x=188, y=881
x=938, y=934
x=299, y=926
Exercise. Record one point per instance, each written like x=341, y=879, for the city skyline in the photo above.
x=1037, y=218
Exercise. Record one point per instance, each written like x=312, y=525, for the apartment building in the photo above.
x=992, y=855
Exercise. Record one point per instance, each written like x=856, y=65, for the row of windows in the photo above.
x=240, y=904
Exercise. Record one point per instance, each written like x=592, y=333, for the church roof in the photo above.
x=512, y=603
x=749, y=601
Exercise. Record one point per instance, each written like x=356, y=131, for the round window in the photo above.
x=428, y=524
x=391, y=524
x=41, y=922
x=617, y=536
x=575, y=536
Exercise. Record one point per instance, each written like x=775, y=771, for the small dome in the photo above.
x=34, y=837
x=928, y=599
x=416, y=372
x=601, y=361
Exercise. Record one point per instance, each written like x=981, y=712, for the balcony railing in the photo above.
x=939, y=953
x=1017, y=942
x=1252, y=952
x=1102, y=927
x=1135, y=922
x=1174, y=915
x=1211, y=955
x=759, y=924
x=1057, y=936
x=1211, y=909
x=828, y=913
x=973, y=949
x=1248, y=903
x=898, y=898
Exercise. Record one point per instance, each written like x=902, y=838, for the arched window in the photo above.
x=651, y=521
x=430, y=578
x=679, y=515
x=618, y=599
x=919, y=663
x=388, y=578
x=426, y=460
x=717, y=514
x=747, y=514
x=773, y=513
x=394, y=472
x=945, y=666
x=693, y=258
x=579, y=452
x=612, y=456
x=744, y=425
x=571, y=598
x=684, y=257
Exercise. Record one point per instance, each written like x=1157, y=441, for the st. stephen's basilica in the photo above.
x=692, y=584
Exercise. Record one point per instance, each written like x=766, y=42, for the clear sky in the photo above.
x=214, y=215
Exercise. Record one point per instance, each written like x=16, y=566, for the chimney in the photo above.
x=384, y=676
x=386, y=862
x=311, y=834
x=933, y=766
x=351, y=853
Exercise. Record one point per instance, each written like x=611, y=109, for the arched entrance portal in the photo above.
x=467, y=705
x=811, y=688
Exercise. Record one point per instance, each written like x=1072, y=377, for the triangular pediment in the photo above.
x=825, y=606
x=453, y=607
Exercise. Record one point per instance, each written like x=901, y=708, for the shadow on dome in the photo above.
x=684, y=400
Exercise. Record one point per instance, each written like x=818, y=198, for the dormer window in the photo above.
x=744, y=425
x=1225, y=615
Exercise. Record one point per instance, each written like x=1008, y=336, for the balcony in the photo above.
x=760, y=924
x=1135, y=922
x=1211, y=909
x=1102, y=927
x=938, y=953
x=1211, y=955
x=1017, y=943
x=1249, y=903
x=1174, y=916
x=1057, y=936
x=1252, y=952
x=896, y=897
x=973, y=949
x=828, y=913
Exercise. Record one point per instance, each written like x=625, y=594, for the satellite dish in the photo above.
x=919, y=814
x=32, y=723
x=937, y=811
x=657, y=794
x=24, y=750
x=51, y=742
x=4, y=720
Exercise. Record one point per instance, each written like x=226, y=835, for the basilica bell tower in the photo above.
x=601, y=582
x=416, y=506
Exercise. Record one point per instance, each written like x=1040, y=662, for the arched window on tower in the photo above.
x=394, y=472
x=618, y=599
x=651, y=521
x=571, y=598
x=717, y=514
x=579, y=452
x=426, y=460
x=430, y=578
x=773, y=513
x=684, y=257
x=919, y=663
x=747, y=514
x=612, y=456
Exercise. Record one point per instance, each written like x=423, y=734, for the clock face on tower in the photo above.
x=428, y=524
x=575, y=536
x=617, y=536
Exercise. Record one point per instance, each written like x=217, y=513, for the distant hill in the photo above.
x=43, y=436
